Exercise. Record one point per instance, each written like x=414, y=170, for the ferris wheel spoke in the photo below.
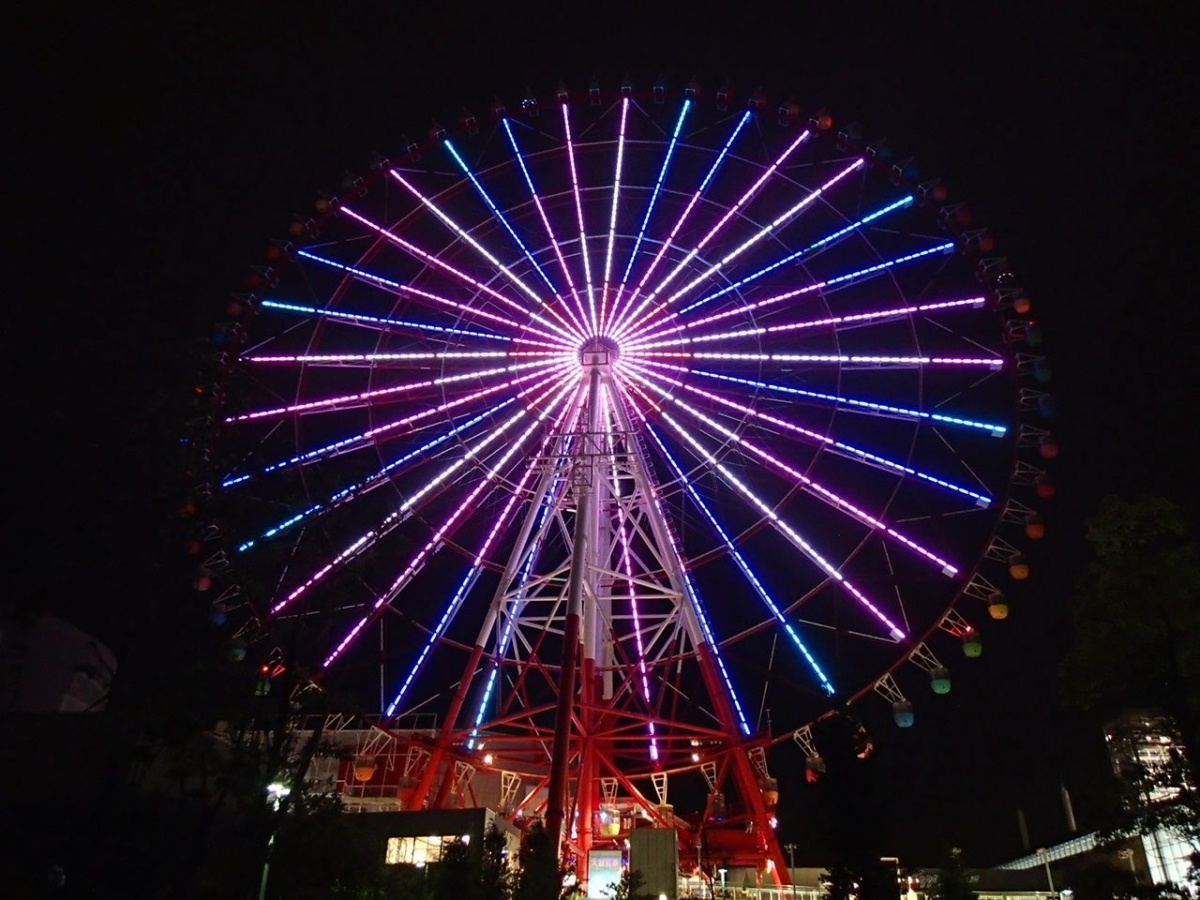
x=850, y=319
x=777, y=522
x=654, y=195
x=352, y=492
x=387, y=430
x=621, y=325
x=770, y=228
x=553, y=332
x=583, y=249
x=840, y=503
x=837, y=359
x=439, y=301
x=603, y=320
x=500, y=523
x=844, y=279
x=503, y=220
x=850, y=451
x=464, y=235
x=361, y=398
x=823, y=243
x=734, y=209
x=859, y=404
x=412, y=502
x=383, y=323
x=417, y=359
x=538, y=205
x=743, y=566
x=422, y=556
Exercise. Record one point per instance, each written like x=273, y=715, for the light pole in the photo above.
x=275, y=794
x=790, y=847
x=1044, y=854
x=722, y=872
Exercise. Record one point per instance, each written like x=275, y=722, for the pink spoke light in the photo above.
x=583, y=251
x=433, y=260
x=783, y=528
x=619, y=326
x=464, y=235
x=829, y=496
x=612, y=217
x=410, y=290
x=788, y=295
x=400, y=514
x=850, y=319
x=654, y=194
x=357, y=440
x=853, y=402
x=347, y=400
x=765, y=231
x=732, y=211
x=537, y=202
x=431, y=546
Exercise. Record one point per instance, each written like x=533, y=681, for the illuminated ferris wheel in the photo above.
x=625, y=436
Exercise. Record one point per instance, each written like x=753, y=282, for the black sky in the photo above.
x=157, y=153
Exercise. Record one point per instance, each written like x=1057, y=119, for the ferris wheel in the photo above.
x=625, y=436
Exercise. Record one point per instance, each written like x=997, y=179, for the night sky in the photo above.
x=156, y=157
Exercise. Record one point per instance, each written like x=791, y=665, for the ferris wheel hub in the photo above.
x=599, y=353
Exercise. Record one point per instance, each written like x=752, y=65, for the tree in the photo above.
x=952, y=881
x=539, y=876
x=1136, y=643
x=630, y=886
x=1136, y=615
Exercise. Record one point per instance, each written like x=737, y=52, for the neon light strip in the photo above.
x=662, y=172
x=894, y=312
x=816, y=487
x=469, y=579
x=398, y=515
x=503, y=220
x=989, y=427
x=347, y=492
x=422, y=555
x=779, y=298
x=365, y=319
x=347, y=442
x=482, y=251
x=742, y=564
x=785, y=529
x=432, y=259
x=537, y=202
x=994, y=362
x=792, y=257
x=587, y=266
x=397, y=357
x=693, y=595
x=712, y=232
x=612, y=215
x=398, y=288
x=380, y=392
x=627, y=565
x=763, y=232
x=619, y=327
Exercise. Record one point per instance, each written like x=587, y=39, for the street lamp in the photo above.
x=1044, y=855
x=722, y=871
x=276, y=793
x=790, y=847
